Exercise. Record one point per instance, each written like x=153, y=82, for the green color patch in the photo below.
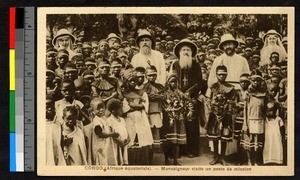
x=12, y=112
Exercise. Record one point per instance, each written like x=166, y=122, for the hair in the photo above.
x=76, y=58
x=68, y=81
x=70, y=65
x=95, y=100
x=274, y=53
x=140, y=69
x=221, y=67
x=118, y=60
x=63, y=51
x=114, y=104
x=276, y=104
x=71, y=109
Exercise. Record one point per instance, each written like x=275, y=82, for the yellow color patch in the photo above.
x=12, y=69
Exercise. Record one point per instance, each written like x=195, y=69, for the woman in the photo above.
x=64, y=40
x=272, y=43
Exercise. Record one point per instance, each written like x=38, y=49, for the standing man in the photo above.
x=236, y=64
x=148, y=56
x=190, y=82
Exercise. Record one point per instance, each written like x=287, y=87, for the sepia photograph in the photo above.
x=186, y=91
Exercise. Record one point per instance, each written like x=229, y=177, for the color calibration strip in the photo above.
x=12, y=84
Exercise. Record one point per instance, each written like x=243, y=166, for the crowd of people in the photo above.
x=117, y=101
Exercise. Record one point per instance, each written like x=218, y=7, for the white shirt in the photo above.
x=156, y=59
x=236, y=65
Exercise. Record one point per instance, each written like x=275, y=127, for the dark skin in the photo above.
x=271, y=114
x=152, y=78
x=50, y=109
x=131, y=86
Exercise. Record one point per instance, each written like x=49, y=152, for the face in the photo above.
x=132, y=83
x=145, y=42
x=185, y=51
x=112, y=42
x=272, y=39
x=87, y=51
x=173, y=83
x=229, y=48
x=116, y=70
x=89, y=80
x=62, y=60
x=91, y=67
x=140, y=78
x=103, y=46
x=273, y=90
x=221, y=76
x=70, y=119
x=99, y=109
x=151, y=77
x=271, y=110
x=104, y=70
x=256, y=83
x=284, y=72
x=79, y=65
x=118, y=112
x=50, y=110
x=50, y=58
x=95, y=48
x=274, y=58
x=49, y=78
x=256, y=60
x=275, y=71
x=78, y=50
x=67, y=91
x=244, y=84
x=99, y=57
x=64, y=42
x=71, y=74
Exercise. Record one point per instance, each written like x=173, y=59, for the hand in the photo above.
x=67, y=141
x=115, y=135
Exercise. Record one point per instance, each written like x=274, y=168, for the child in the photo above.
x=102, y=148
x=70, y=71
x=50, y=59
x=253, y=126
x=68, y=93
x=79, y=63
x=155, y=94
x=62, y=60
x=173, y=129
x=137, y=123
x=117, y=123
x=220, y=121
x=274, y=135
x=88, y=78
x=105, y=87
x=242, y=94
x=140, y=73
x=116, y=66
x=72, y=138
x=52, y=88
x=90, y=64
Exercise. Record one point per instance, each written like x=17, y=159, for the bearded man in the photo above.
x=190, y=82
x=236, y=64
x=148, y=56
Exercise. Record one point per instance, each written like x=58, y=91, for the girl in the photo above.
x=117, y=123
x=274, y=135
x=253, y=126
x=102, y=148
x=137, y=123
x=173, y=129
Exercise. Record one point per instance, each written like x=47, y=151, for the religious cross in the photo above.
x=185, y=80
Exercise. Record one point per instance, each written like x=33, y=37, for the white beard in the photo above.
x=185, y=62
x=145, y=50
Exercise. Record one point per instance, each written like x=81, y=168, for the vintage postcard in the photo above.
x=167, y=91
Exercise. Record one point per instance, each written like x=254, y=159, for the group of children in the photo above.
x=101, y=111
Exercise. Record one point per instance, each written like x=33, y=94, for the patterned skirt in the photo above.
x=219, y=128
x=252, y=142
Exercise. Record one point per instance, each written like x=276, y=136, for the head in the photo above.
x=50, y=75
x=256, y=58
x=90, y=64
x=229, y=48
x=272, y=108
x=151, y=73
x=221, y=72
x=51, y=56
x=185, y=57
x=274, y=57
x=103, y=45
x=272, y=39
x=140, y=74
x=245, y=81
x=115, y=107
x=88, y=77
x=116, y=66
x=79, y=88
x=80, y=66
x=173, y=82
x=98, y=107
x=70, y=116
x=68, y=89
x=283, y=68
x=86, y=100
x=256, y=81
x=145, y=44
x=273, y=90
x=64, y=42
x=62, y=58
x=86, y=49
x=274, y=69
x=104, y=68
x=50, y=109
x=70, y=71
x=276, y=79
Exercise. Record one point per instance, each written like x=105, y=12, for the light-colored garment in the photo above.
x=137, y=124
x=266, y=53
x=256, y=107
x=60, y=105
x=156, y=59
x=273, y=148
x=118, y=125
x=103, y=152
x=236, y=65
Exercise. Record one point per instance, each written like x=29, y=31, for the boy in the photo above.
x=62, y=60
x=70, y=71
x=140, y=73
x=50, y=59
x=220, y=121
x=155, y=94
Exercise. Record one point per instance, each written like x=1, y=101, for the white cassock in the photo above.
x=236, y=65
x=156, y=59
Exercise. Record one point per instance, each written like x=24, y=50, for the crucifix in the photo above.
x=185, y=80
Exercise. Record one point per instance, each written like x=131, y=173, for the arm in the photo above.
x=98, y=131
